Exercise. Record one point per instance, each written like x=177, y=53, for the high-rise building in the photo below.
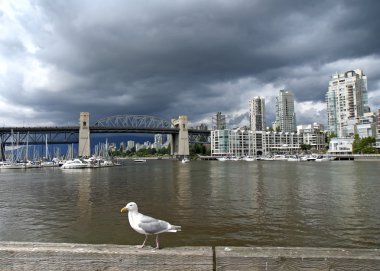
x=285, y=115
x=219, y=121
x=257, y=114
x=346, y=101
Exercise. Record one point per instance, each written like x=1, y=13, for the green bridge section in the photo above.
x=52, y=256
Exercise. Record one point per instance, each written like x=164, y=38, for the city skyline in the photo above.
x=168, y=58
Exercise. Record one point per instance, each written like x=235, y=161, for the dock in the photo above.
x=66, y=256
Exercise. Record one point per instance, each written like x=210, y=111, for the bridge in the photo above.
x=177, y=129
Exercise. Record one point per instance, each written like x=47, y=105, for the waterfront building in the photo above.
x=340, y=145
x=285, y=115
x=281, y=142
x=220, y=142
x=313, y=135
x=244, y=142
x=346, y=101
x=366, y=125
x=257, y=114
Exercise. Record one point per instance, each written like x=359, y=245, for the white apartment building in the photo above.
x=313, y=135
x=220, y=142
x=285, y=115
x=340, y=145
x=244, y=142
x=366, y=125
x=346, y=100
x=257, y=114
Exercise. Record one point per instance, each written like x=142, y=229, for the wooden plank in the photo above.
x=280, y=258
x=46, y=256
x=49, y=256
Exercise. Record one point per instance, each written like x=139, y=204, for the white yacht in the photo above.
x=139, y=160
x=323, y=158
x=249, y=158
x=9, y=165
x=223, y=158
x=74, y=164
x=294, y=158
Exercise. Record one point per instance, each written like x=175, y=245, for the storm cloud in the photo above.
x=170, y=58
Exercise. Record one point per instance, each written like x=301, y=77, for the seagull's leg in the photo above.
x=143, y=244
x=157, y=243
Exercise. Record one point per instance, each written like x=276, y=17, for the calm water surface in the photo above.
x=263, y=203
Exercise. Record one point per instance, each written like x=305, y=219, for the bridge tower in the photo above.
x=2, y=151
x=180, y=142
x=84, y=135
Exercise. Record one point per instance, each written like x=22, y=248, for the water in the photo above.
x=263, y=203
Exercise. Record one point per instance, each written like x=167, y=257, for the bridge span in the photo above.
x=121, y=124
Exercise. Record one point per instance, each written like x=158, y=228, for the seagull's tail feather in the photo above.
x=175, y=228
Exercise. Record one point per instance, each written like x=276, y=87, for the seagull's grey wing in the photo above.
x=152, y=226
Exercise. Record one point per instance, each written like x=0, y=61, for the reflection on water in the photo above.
x=217, y=203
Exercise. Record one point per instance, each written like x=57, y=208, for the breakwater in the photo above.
x=65, y=256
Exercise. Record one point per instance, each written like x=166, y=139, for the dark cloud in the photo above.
x=167, y=58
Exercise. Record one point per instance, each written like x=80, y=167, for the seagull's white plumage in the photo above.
x=147, y=225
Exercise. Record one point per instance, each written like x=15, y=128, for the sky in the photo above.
x=167, y=58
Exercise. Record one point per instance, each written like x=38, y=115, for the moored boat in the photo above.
x=322, y=158
x=224, y=158
x=294, y=158
x=139, y=160
x=185, y=160
x=249, y=158
x=74, y=164
x=9, y=165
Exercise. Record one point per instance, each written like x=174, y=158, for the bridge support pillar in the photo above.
x=84, y=135
x=180, y=142
x=2, y=151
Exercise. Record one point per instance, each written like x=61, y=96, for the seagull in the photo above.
x=147, y=225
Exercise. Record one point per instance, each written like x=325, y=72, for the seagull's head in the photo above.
x=129, y=207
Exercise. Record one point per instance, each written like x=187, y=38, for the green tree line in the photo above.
x=194, y=150
x=364, y=145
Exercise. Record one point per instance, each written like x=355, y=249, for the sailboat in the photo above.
x=47, y=162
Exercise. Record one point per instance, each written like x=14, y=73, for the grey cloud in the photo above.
x=160, y=57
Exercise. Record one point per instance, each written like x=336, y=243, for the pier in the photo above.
x=64, y=256
x=356, y=157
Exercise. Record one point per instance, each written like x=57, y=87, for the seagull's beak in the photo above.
x=124, y=209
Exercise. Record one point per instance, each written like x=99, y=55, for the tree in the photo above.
x=328, y=138
x=356, y=144
x=364, y=145
x=197, y=148
x=305, y=147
